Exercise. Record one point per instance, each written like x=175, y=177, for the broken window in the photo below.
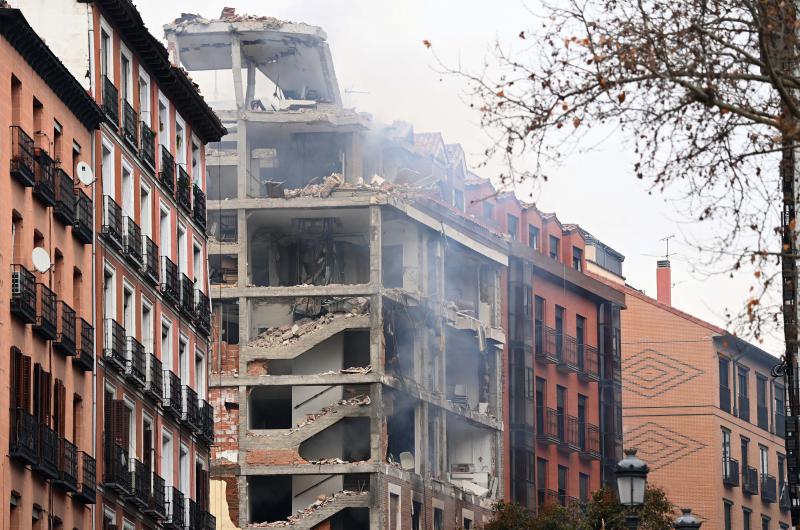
x=229, y=320
x=270, y=498
x=221, y=182
x=270, y=407
x=223, y=226
x=469, y=454
x=223, y=269
x=401, y=426
x=347, y=440
x=392, y=266
x=399, y=332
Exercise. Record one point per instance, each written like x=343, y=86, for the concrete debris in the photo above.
x=328, y=461
x=335, y=182
x=322, y=500
x=229, y=15
x=356, y=370
x=362, y=400
x=290, y=333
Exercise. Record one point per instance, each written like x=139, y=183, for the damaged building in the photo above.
x=357, y=373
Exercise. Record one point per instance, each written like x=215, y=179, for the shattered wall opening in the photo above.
x=469, y=372
x=470, y=455
x=223, y=226
x=351, y=519
x=227, y=312
x=347, y=440
x=223, y=269
x=274, y=407
x=308, y=248
x=270, y=407
x=399, y=331
x=270, y=498
x=222, y=183
x=400, y=425
x=400, y=254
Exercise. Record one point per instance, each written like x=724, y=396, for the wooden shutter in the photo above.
x=37, y=391
x=26, y=383
x=16, y=377
x=147, y=447
x=108, y=415
x=46, y=380
x=56, y=405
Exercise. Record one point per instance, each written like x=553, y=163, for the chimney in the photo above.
x=664, y=282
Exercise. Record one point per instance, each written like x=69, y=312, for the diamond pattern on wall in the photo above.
x=650, y=373
x=659, y=445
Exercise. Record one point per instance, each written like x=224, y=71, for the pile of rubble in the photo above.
x=322, y=500
x=357, y=401
x=335, y=182
x=289, y=333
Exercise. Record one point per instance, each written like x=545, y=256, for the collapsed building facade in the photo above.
x=357, y=373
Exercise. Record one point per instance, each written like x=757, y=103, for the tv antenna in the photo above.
x=666, y=240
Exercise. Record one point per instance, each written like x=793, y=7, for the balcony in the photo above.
x=84, y=360
x=170, y=289
x=147, y=149
x=730, y=472
x=87, y=472
x=46, y=323
x=202, y=312
x=780, y=424
x=545, y=344
x=588, y=364
x=116, y=474
x=132, y=242
x=569, y=430
x=173, y=401
x=192, y=514
x=67, y=466
x=64, y=209
x=112, y=221
x=207, y=521
x=184, y=190
x=548, y=421
x=44, y=185
x=769, y=489
x=154, y=382
x=187, y=296
x=567, y=352
x=784, y=502
x=207, y=421
x=589, y=441
x=130, y=122
x=150, y=260
x=166, y=175
x=135, y=362
x=82, y=222
x=547, y=497
x=47, y=463
x=744, y=407
x=23, y=294
x=114, y=345
x=111, y=101
x=176, y=511
x=65, y=341
x=750, y=480
x=139, y=484
x=22, y=162
x=157, y=504
x=191, y=410
x=24, y=442
x=199, y=210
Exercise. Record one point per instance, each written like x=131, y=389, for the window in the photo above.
x=196, y=163
x=554, y=242
x=130, y=416
x=165, y=235
x=127, y=190
x=182, y=260
x=781, y=477
x=577, y=259
x=163, y=124
x=109, y=293
x=727, y=505
x=541, y=474
x=561, y=409
x=200, y=373
x=488, y=210
x=183, y=470
x=583, y=487
x=144, y=98
x=780, y=410
x=180, y=143
x=438, y=519
x=77, y=420
x=197, y=266
x=764, y=454
x=128, y=317
x=762, y=402
x=726, y=452
x=166, y=460
x=126, y=92
x=743, y=393
x=166, y=345
x=560, y=313
x=21, y=379
x=533, y=237
x=764, y=522
x=724, y=385
x=582, y=407
x=562, y=484
x=147, y=326
x=746, y=518
x=148, y=450
x=580, y=340
x=107, y=170
x=146, y=212
x=416, y=511
x=394, y=511
x=183, y=359
x=745, y=444
x=513, y=226
x=541, y=403
x=105, y=54
x=538, y=315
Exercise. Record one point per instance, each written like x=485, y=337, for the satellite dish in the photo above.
x=41, y=259
x=85, y=175
x=407, y=461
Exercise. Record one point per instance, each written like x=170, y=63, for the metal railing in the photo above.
x=769, y=488
x=199, y=206
x=44, y=184
x=23, y=293
x=166, y=174
x=47, y=463
x=184, y=190
x=207, y=421
x=154, y=385
x=202, y=312
x=130, y=122
x=46, y=323
x=139, y=484
x=191, y=411
x=22, y=162
x=192, y=514
x=176, y=511
x=549, y=432
x=67, y=465
x=112, y=221
x=87, y=473
x=156, y=504
x=132, y=241
x=569, y=427
x=24, y=443
x=750, y=480
x=64, y=209
x=588, y=363
x=150, y=260
x=114, y=345
x=85, y=348
x=589, y=438
x=147, y=149
x=116, y=475
x=135, y=363
x=173, y=401
x=65, y=341
x=567, y=352
x=187, y=296
x=170, y=287
x=730, y=472
x=82, y=224
x=744, y=407
x=111, y=101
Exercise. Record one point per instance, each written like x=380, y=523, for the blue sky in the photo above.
x=384, y=69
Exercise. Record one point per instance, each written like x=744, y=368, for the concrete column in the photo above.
x=242, y=274
x=354, y=158
x=251, y=84
x=244, y=330
x=236, y=70
x=376, y=303
x=244, y=495
x=243, y=155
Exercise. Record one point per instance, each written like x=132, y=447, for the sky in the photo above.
x=384, y=69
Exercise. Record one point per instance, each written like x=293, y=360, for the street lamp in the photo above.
x=631, y=482
x=686, y=521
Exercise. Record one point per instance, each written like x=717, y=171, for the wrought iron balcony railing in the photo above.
x=567, y=353
x=744, y=407
x=184, y=190
x=114, y=345
x=750, y=480
x=46, y=323
x=23, y=294
x=44, y=185
x=112, y=221
x=111, y=101
x=730, y=472
x=82, y=222
x=176, y=511
x=780, y=424
x=147, y=149
x=22, y=157
x=166, y=174
x=199, y=206
x=66, y=341
x=170, y=287
x=140, y=484
x=154, y=385
x=191, y=410
x=87, y=473
x=192, y=514
x=24, y=436
x=202, y=314
x=769, y=489
x=569, y=433
x=157, y=504
x=589, y=441
x=173, y=400
x=150, y=259
x=588, y=363
x=64, y=209
x=135, y=362
x=67, y=466
x=549, y=426
x=84, y=359
x=130, y=123
x=132, y=241
x=116, y=467
x=207, y=521
x=207, y=422
x=47, y=463
x=187, y=296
